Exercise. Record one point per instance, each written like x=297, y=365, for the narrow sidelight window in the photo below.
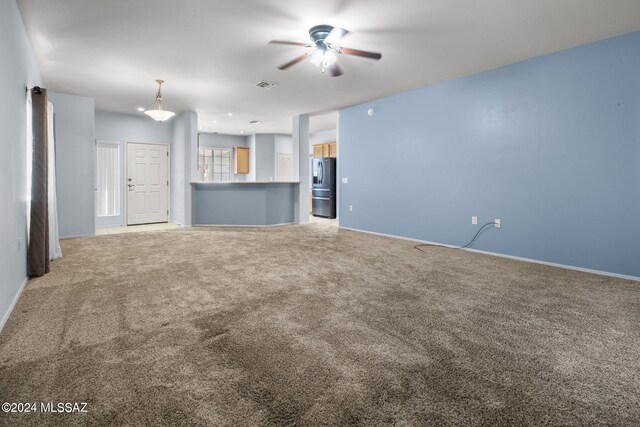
x=108, y=177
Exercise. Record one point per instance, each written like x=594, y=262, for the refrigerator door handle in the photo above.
x=321, y=198
x=320, y=172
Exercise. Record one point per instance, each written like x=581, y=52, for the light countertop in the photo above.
x=242, y=182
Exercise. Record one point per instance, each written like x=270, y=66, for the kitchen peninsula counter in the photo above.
x=244, y=203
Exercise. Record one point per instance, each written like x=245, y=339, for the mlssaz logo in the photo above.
x=67, y=408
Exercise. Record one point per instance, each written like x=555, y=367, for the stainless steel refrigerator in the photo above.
x=323, y=189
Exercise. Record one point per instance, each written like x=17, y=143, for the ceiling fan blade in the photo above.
x=294, y=62
x=335, y=70
x=290, y=43
x=363, y=53
x=335, y=35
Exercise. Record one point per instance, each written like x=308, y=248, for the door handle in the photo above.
x=130, y=186
x=320, y=198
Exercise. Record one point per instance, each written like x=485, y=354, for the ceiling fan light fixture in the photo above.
x=158, y=113
x=323, y=57
x=329, y=58
x=317, y=56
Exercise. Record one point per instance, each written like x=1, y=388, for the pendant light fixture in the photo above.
x=158, y=113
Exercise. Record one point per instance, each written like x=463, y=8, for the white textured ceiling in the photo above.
x=212, y=53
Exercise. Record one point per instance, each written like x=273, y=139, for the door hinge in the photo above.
x=167, y=182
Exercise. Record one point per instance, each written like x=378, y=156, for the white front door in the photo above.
x=285, y=167
x=147, y=183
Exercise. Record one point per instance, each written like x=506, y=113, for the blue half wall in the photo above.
x=551, y=146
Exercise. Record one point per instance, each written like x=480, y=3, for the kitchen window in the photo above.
x=214, y=164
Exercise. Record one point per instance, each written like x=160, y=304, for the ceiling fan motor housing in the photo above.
x=319, y=33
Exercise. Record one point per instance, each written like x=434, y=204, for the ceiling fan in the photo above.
x=325, y=41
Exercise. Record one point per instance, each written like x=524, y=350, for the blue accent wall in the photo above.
x=265, y=157
x=74, y=129
x=132, y=128
x=551, y=146
x=18, y=70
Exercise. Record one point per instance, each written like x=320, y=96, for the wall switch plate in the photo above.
x=345, y=180
x=350, y=208
x=497, y=223
x=474, y=220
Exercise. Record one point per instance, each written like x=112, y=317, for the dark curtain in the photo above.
x=38, y=254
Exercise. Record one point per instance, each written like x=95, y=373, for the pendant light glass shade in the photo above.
x=158, y=113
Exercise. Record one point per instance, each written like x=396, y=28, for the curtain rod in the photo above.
x=36, y=89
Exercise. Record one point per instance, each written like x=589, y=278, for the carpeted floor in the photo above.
x=310, y=325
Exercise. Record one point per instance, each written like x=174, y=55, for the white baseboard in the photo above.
x=180, y=224
x=13, y=304
x=245, y=225
x=531, y=260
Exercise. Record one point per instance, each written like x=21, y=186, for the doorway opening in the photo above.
x=324, y=174
x=284, y=167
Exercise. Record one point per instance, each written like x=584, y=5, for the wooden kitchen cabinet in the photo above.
x=333, y=149
x=328, y=149
x=240, y=160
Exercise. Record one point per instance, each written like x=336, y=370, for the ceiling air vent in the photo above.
x=265, y=84
x=255, y=122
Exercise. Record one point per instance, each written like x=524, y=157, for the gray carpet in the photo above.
x=309, y=325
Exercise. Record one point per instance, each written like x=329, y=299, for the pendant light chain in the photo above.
x=159, y=113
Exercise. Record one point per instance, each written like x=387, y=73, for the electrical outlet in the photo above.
x=350, y=208
x=497, y=222
x=474, y=220
x=345, y=180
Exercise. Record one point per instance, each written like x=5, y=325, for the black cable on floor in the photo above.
x=457, y=247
